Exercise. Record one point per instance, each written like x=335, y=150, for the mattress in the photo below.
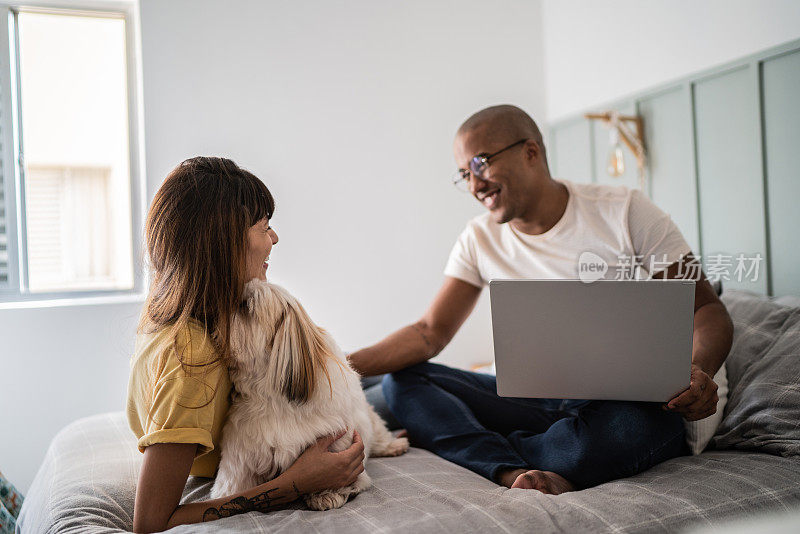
x=88, y=478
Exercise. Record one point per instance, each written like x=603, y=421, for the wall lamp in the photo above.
x=633, y=139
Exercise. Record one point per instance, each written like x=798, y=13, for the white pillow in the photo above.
x=699, y=433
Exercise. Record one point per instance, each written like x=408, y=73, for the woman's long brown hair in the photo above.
x=196, y=241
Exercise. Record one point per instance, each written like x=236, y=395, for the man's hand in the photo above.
x=699, y=400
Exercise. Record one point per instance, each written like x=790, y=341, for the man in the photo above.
x=537, y=227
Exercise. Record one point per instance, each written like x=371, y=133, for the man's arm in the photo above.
x=424, y=339
x=711, y=342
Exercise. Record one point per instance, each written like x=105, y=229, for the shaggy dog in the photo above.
x=293, y=385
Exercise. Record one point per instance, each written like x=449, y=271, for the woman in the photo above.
x=207, y=234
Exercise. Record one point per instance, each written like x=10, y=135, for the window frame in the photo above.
x=18, y=293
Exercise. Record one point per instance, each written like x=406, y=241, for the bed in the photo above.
x=87, y=480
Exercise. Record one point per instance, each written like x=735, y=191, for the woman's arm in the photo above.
x=166, y=467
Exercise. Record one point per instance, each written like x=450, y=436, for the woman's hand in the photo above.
x=319, y=469
x=166, y=467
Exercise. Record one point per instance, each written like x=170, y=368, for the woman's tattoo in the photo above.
x=263, y=502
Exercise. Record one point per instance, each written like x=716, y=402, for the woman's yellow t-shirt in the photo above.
x=181, y=404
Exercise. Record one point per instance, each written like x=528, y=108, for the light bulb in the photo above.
x=616, y=161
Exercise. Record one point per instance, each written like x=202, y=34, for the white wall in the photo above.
x=347, y=111
x=596, y=52
x=58, y=364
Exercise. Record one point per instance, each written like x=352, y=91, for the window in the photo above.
x=68, y=155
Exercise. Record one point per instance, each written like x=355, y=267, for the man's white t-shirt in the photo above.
x=602, y=225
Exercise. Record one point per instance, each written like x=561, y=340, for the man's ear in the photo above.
x=533, y=151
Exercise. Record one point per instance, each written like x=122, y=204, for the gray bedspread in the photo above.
x=87, y=484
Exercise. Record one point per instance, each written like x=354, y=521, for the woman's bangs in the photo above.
x=259, y=203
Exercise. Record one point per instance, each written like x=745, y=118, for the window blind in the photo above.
x=68, y=216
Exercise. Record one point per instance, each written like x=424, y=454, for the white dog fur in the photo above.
x=293, y=385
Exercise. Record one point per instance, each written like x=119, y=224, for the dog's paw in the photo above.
x=362, y=482
x=396, y=447
x=326, y=500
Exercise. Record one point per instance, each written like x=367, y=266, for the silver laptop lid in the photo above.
x=609, y=339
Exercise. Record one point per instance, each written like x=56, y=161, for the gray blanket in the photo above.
x=87, y=484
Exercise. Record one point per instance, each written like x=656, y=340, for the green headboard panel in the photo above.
x=729, y=178
x=571, y=146
x=723, y=150
x=781, y=90
x=668, y=119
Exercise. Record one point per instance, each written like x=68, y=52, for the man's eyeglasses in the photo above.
x=477, y=166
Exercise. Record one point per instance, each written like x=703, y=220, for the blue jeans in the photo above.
x=459, y=416
x=374, y=393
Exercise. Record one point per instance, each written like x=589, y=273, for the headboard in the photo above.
x=723, y=149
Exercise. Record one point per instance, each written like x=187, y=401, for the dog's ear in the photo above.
x=250, y=338
x=301, y=353
x=261, y=303
x=254, y=292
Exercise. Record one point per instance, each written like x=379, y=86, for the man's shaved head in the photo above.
x=506, y=122
x=513, y=180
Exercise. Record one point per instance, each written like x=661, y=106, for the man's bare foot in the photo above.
x=507, y=478
x=544, y=481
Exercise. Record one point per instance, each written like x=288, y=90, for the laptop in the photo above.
x=609, y=339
